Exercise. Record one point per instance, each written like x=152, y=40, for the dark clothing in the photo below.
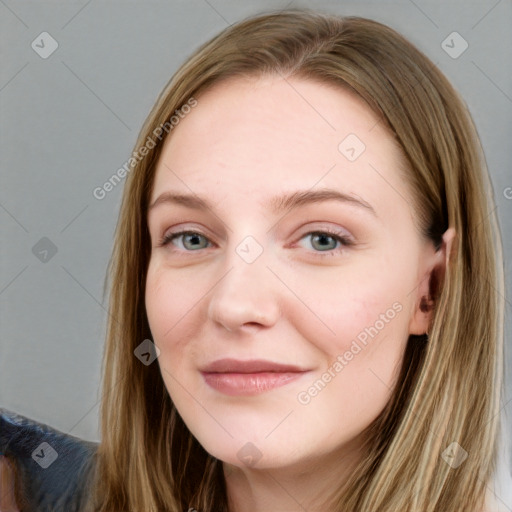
x=52, y=468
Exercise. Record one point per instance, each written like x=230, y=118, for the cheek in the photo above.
x=172, y=304
x=360, y=358
x=359, y=324
x=357, y=310
x=173, y=308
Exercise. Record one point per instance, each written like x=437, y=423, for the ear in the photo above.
x=431, y=283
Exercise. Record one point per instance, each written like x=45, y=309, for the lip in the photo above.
x=228, y=365
x=252, y=377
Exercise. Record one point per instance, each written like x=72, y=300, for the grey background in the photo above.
x=69, y=121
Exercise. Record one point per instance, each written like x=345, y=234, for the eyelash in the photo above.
x=344, y=240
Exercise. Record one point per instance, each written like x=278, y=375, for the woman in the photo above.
x=334, y=342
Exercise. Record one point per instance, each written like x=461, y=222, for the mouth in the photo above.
x=247, y=378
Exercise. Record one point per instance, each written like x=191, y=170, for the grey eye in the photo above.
x=320, y=241
x=193, y=240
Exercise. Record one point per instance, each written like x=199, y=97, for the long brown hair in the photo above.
x=450, y=382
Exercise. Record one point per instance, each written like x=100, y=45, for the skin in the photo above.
x=246, y=141
x=7, y=482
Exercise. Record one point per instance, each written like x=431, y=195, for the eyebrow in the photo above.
x=276, y=203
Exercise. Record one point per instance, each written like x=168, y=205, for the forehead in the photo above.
x=256, y=137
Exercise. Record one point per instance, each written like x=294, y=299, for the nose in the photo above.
x=247, y=295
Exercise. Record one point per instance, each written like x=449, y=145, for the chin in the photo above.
x=248, y=448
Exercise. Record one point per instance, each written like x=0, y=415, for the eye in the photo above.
x=190, y=240
x=326, y=242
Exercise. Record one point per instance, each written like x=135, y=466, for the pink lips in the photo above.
x=233, y=377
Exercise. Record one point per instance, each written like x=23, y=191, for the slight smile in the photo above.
x=247, y=378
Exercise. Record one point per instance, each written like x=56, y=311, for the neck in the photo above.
x=306, y=485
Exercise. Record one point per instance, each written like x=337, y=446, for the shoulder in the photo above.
x=51, y=468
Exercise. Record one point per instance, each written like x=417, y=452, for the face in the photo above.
x=281, y=324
